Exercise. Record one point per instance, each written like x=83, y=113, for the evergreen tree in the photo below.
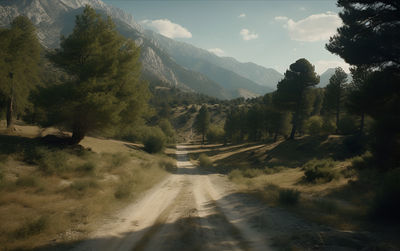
x=370, y=33
x=335, y=94
x=357, y=101
x=291, y=94
x=202, y=122
x=19, y=66
x=370, y=38
x=106, y=89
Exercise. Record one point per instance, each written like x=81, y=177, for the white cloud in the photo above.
x=167, y=28
x=322, y=65
x=243, y=15
x=314, y=28
x=217, y=51
x=281, y=18
x=247, y=35
x=302, y=8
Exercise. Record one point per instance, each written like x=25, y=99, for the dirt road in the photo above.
x=190, y=210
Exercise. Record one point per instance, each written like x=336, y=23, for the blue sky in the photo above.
x=270, y=33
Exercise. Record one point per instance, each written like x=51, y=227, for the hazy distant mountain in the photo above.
x=54, y=18
x=186, y=54
x=324, y=77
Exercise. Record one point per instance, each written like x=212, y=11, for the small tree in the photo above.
x=335, y=94
x=291, y=94
x=106, y=90
x=19, y=66
x=202, y=122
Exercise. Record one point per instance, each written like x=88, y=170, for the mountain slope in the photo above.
x=55, y=18
x=326, y=75
x=188, y=54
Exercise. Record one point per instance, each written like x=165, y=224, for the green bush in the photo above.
x=87, y=167
x=205, y=161
x=319, y=171
x=362, y=162
x=155, y=141
x=252, y=172
x=215, y=134
x=168, y=130
x=314, y=125
x=289, y=197
x=118, y=159
x=235, y=174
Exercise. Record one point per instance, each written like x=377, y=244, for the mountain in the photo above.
x=211, y=75
x=190, y=55
x=324, y=77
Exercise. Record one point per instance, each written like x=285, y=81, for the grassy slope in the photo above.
x=266, y=170
x=49, y=194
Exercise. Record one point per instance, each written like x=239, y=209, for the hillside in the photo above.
x=56, y=18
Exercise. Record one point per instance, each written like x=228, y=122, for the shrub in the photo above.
x=168, y=130
x=168, y=164
x=205, y=161
x=275, y=169
x=124, y=189
x=215, y=134
x=252, y=172
x=87, y=167
x=386, y=204
x=314, y=125
x=362, y=161
x=83, y=184
x=31, y=227
x=289, y=197
x=118, y=159
x=193, y=109
x=155, y=141
x=319, y=171
x=235, y=174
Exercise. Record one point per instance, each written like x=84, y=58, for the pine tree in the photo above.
x=19, y=66
x=202, y=122
x=370, y=38
x=358, y=100
x=335, y=94
x=107, y=89
x=291, y=94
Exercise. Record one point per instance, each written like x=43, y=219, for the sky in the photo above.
x=271, y=33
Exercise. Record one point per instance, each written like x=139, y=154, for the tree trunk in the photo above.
x=275, y=137
x=362, y=122
x=293, y=132
x=10, y=112
x=77, y=135
x=338, y=111
x=202, y=142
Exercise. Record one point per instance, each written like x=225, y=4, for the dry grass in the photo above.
x=55, y=195
x=276, y=174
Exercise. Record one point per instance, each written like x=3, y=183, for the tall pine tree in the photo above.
x=202, y=122
x=291, y=94
x=19, y=66
x=335, y=94
x=107, y=89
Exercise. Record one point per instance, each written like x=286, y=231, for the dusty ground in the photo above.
x=197, y=210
